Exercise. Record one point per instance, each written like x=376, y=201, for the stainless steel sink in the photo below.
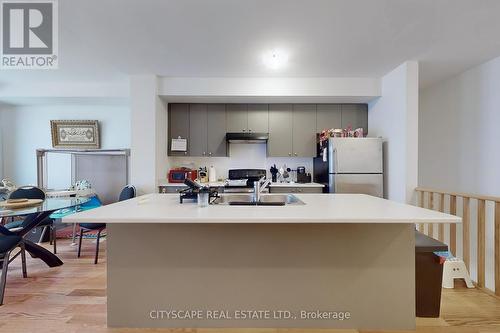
x=265, y=200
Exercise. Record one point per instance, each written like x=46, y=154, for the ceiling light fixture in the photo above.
x=275, y=59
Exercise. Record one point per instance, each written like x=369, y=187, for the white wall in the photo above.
x=394, y=116
x=459, y=132
x=269, y=90
x=241, y=156
x=148, y=133
x=459, y=145
x=26, y=128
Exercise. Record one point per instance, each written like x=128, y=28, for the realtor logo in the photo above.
x=29, y=34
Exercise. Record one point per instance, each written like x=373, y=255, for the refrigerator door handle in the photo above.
x=332, y=184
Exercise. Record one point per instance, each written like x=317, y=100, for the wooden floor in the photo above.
x=72, y=298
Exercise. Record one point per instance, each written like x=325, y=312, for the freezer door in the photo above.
x=355, y=155
x=372, y=184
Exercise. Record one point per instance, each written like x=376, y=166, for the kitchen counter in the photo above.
x=211, y=184
x=262, y=267
x=221, y=184
x=296, y=185
x=318, y=208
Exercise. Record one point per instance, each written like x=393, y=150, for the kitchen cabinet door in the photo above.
x=304, y=130
x=258, y=118
x=328, y=116
x=198, y=130
x=355, y=115
x=178, y=126
x=237, y=118
x=216, y=134
x=280, y=130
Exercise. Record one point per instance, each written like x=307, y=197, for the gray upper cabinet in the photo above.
x=355, y=115
x=178, y=125
x=216, y=121
x=258, y=118
x=292, y=128
x=304, y=130
x=328, y=116
x=237, y=117
x=198, y=130
x=280, y=130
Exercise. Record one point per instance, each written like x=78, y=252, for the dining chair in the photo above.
x=7, y=244
x=128, y=192
x=33, y=192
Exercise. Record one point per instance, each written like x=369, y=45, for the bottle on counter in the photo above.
x=212, y=174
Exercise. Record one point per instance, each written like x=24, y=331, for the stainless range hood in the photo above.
x=243, y=137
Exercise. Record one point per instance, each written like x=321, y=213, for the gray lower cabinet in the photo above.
x=258, y=118
x=237, y=118
x=198, y=130
x=295, y=189
x=178, y=126
x=171, y=189
x=355, y=115
x=216, y=134
x=328, y=116
x=304, y=130
x=280, y=130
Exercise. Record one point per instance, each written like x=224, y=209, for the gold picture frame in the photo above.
x=80, y=134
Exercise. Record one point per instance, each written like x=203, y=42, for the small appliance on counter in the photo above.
x=178, y=175
x=302, y=176
x=201, y=194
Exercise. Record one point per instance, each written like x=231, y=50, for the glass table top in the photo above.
x=48, y=205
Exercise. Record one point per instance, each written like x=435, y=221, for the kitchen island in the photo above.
x=336, y=261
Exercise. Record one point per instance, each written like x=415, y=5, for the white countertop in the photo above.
x=221, y=184
x=318, y=208
x=212, y=184
x=296, y=185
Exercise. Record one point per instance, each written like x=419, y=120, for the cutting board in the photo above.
x=20, y=203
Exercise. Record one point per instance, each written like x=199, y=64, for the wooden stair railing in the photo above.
x=432, y=194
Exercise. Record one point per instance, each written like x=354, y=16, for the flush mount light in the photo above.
x=275, y=59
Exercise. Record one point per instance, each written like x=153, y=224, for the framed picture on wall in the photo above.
x=83, y=134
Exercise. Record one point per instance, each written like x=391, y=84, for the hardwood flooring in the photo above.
x=72, y=299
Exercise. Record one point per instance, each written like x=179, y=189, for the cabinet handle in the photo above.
x=295, y=154
x=185, y=153
x=244, y=130
x=289, y=154
x=249, y=130
x=210, y=154
x=204, y=153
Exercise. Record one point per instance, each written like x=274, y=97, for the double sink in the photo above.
x=264, y=200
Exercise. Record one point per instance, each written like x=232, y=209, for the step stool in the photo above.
x=454, y=268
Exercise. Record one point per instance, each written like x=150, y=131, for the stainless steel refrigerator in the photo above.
x=350, y=165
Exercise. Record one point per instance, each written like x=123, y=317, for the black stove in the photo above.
x=241, y=180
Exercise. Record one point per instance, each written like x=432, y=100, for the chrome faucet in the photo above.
x=258, y=188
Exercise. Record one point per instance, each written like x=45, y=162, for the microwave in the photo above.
x=179, y=175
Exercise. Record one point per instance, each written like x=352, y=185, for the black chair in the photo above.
x=128, y=192
x=32, y=192
x=7, y=244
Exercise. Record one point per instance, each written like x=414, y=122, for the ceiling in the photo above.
x=111, y=39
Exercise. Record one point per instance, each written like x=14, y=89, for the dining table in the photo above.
x=33, y=216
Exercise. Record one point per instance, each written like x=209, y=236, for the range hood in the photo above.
x=243, y=137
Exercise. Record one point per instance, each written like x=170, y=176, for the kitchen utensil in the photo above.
x=274, y=173
x=301, y=170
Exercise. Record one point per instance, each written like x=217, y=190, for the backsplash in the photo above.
x=241, y=156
